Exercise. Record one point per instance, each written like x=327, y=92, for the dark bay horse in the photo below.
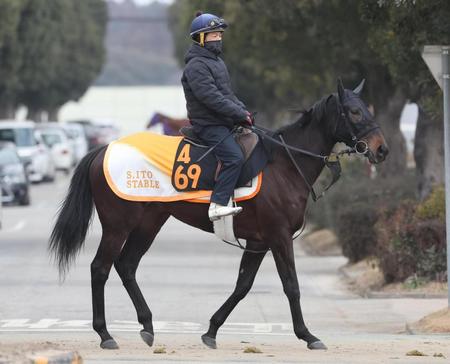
x=268, y=221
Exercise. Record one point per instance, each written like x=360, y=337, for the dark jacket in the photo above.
x=207, y=88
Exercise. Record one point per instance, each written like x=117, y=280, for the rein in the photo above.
x=333, y=165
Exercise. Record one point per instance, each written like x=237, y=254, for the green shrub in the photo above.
x=351, y=207
x=434, y=206
x=408, y=245
x=354, y=227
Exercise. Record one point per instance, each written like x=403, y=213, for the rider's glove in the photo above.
x=249, y=120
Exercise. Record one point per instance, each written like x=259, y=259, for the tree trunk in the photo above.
x=429, y=153
x=53, y=114
x=7, y=112
x=388, y=115
x=34, y=115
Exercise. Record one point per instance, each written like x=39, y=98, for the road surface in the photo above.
x=186, y=276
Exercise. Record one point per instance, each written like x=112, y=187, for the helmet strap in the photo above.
x=202, y=39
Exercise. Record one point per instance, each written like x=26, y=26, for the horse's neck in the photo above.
x=313, y=137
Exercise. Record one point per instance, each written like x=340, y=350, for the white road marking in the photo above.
x=170, y=327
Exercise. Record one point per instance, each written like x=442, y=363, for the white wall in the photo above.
x=130, y=108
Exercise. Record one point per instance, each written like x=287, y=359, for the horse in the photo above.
x=171, y=126
x=267, y=222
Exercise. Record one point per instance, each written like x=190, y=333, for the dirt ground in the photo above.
x=182, y=348
x=437, y=322
x=320, y=243
x=366, y=278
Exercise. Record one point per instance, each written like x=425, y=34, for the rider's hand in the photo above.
x=249, y=120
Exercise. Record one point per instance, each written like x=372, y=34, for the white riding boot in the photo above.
x=216, y=211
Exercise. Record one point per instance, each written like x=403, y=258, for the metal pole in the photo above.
x=446, y=89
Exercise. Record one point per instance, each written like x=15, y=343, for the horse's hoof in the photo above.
x=209, y=341
x=109, y=344
x=317, y=345
x=147, y=337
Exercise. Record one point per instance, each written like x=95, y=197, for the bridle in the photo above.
x=331, y=161
x=359, y=145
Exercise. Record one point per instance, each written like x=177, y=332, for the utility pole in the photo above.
x=441, y=73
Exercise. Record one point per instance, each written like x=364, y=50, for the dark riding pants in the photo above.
x=231, y=156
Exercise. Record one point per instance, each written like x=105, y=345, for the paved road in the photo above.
x=186, y=276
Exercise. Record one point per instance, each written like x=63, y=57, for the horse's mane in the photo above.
x=314, y=114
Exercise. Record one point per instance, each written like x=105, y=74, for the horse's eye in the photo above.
x=356, y=115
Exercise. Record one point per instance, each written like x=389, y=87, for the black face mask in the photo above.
x=214, y=46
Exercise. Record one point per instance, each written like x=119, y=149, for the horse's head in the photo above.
x=357, y=127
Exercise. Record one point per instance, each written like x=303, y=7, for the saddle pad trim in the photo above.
x=238, y=199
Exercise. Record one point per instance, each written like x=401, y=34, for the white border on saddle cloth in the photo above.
x=133, y=176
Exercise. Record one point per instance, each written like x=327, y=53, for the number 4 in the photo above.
x=184, y=154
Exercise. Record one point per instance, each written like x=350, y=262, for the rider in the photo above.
x=212, y=107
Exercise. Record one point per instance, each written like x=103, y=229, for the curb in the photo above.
x=55, y=357
x=367, y=293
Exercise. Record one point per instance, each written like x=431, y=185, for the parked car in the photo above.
x=90, y=131
x=108, y=132
x=31, y=149
x=77, y=138
x=98, y=132
x=13, y=177
x=56, y=139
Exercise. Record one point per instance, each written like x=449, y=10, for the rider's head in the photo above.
x=207, y=28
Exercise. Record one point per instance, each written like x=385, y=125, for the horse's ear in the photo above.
x=359, y=88
x=341, y=90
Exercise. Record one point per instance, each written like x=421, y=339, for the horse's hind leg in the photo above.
x=249, y=266
x=108, y=251
x=138, y=242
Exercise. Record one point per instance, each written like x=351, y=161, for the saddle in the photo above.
x=245, y=139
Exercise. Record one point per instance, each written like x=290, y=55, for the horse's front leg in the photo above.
x=249, y=266
x=283, y=253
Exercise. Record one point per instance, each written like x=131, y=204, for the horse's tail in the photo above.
x=74, y=216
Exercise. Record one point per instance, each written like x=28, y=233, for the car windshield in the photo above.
x=51, y=139
x=8, y=156
x=22, y=137
x=72, y=133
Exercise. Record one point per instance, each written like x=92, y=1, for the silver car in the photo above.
x=33, y=152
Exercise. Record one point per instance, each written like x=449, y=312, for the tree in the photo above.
x=62, y=51
x=398, y=32
x=290, y=55
x=10, y=58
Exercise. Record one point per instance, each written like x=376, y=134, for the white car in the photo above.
x=31, y=149
x=56, y=139
x=78, y=140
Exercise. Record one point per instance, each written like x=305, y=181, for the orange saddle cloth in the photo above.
x=139, y=167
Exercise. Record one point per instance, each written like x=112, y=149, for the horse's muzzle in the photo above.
x=382, y=153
